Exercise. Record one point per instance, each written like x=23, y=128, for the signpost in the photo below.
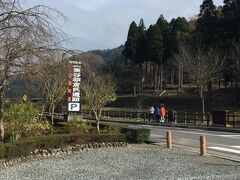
x=74, y=80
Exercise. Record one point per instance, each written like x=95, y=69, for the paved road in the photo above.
x=223, y=144
x=218, y=143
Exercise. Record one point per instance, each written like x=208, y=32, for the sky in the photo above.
x=104, y=24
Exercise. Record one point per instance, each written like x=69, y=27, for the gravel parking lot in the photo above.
x=133, y=162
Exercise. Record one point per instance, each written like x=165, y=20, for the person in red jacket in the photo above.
x=163, y=113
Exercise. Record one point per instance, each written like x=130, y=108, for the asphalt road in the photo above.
x=222, y=144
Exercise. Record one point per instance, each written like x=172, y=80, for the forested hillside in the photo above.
x=202, y=51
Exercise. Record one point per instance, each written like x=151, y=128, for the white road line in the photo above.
x=224, y=149
x=237, y=147
x=229, y=135
x=232, y=136
x=198, y=133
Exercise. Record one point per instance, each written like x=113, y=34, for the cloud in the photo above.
x=101, y=24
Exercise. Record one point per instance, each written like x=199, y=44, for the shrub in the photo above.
x=17, y=116
x=37, y=129
x=136, y=135
x=79, y=127
x=111, y=129
x=133, y=135
x=25, y=146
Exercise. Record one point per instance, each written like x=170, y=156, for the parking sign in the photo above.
x=73, y=107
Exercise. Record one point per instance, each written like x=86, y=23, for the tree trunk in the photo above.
x=158, y=77
x=182, y=77
x=2, y=132
x=155, y=78
x=145, y=75
x=43, y=108
x=219, y=83
x=142, y=75
x=4, y=77
x=172, y=77
x=166, y=78
x=134, y=89
x=97, y=117
x=52, y=114
x=161, y=77
x=134, y=82
x=151, y=75
x=179, y=77
x=210, y=95
x=202, y=101
x=139, y=78
x=52, y=107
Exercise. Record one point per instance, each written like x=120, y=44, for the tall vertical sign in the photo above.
x=74, y=80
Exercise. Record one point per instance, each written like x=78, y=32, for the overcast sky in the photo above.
x=103, y=24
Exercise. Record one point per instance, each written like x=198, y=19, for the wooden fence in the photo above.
x=188, y=118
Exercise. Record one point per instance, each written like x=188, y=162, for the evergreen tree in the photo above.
x=231, y=13
x=179, y=29
x=141, y=42
x=163, y=25
x=130, y=50
x=207, y=23
x=207, y=8
x=154, y=44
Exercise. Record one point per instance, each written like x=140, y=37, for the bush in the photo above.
x=79, y=127
x=17, y=116
x=111, y=129
x=25, y=146
x=136, y=135
x=37, y=129
x=133, y=135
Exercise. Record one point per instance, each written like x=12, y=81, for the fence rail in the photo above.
x=187, y=118
x=191, y=118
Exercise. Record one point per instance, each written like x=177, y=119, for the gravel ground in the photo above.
x=133, y=162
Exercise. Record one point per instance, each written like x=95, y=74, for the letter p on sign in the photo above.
x=73, y=107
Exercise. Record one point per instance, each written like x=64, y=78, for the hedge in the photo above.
x=136, y=135
x=133, y=135
x=25, y=146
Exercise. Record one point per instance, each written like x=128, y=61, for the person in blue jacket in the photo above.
x=157, y=113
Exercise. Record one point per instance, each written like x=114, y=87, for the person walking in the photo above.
x=157, y=113
x=163, y=113
x=151, y=113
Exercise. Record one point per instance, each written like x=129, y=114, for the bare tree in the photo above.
x=235, y=56
x=96, y=92
x=52, y=75
x=25, y=34
x=201, y=65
